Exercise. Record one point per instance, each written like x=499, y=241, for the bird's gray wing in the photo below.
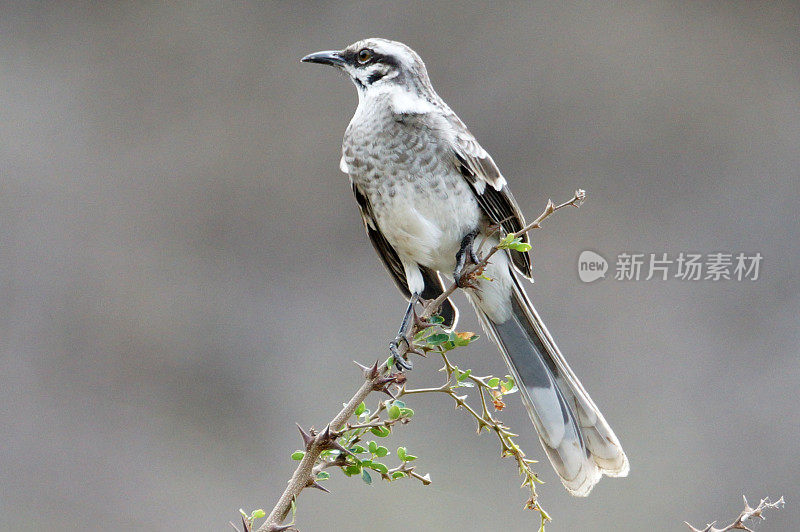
x=489, y=186
x=433, y=283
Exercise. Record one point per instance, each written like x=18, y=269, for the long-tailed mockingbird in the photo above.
x=426, y=189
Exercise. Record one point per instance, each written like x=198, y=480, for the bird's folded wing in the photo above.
x=488, y=184
x=382, y=246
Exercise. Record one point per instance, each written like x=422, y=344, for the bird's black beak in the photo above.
x=333, y=58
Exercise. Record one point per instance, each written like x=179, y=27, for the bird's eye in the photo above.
x=364, y=55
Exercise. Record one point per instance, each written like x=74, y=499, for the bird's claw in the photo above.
x=399, y=362
x=465, y=258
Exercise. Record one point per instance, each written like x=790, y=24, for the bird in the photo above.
x=428, y=194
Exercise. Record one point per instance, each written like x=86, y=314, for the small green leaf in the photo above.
x=436, y=319
x=360, y=408
x=406, y=412
x=381, y=451
x=508, y=386
x=298, y=455
x=351, y=470
x=372, y=446
x=380, y=432
x=410, y=457
x=401, y=453
x=357, y=449
x=323, y=475
x=399, y=403
x=365, y=476
x=523, y=247
x=398, y=474
x=394, y=412
x=379, y=467
x=505, y=241
x=493, y=382
x=424, y=333
x=464, y=375
x=258, y=514
x=437, y=339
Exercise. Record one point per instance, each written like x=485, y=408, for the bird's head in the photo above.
x=376, y=64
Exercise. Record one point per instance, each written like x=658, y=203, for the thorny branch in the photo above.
x=315, y=443
x=380, y=378
x=746, y=514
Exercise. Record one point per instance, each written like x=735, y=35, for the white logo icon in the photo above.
x=591, y=266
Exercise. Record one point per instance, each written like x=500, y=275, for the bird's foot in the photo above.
x=400, y=361
x=405, y=335
x=466, y=257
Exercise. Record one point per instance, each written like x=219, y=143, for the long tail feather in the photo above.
x=574, y=434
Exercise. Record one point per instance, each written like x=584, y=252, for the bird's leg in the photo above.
x=404, y=335
x=420, y=322
x=465, y=256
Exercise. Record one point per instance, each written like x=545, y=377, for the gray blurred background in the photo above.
x=183, y=271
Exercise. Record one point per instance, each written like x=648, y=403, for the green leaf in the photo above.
x=406, y=412
x=398, y=474
x=365, y=476
x=323, y=475
x=437, y=339
x=524, y=247
x=464, y=375
x=379, y=467
x=372, y=446
x=380, y=432
x=357, y=449
x=298, y=455
x=436, y=319
x=493, y=382
x=381, y=451
x=258, y=514
x=508, y=386
x=401, y=453
x=423, y=333
x=399, y=403
x=410, y=457
x=394, y=412
x=360, y=409
x=505, y=241
x=351, y=470
x=515, y=243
